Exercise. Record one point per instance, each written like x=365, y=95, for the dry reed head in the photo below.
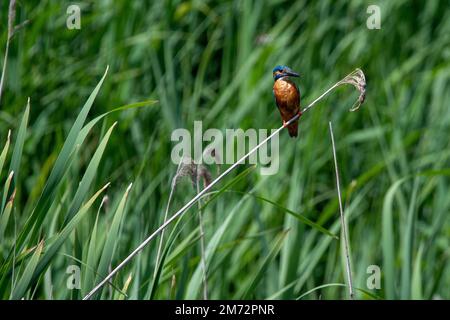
x=11, y=18
x=358, y=80
x=187, y=168
x=204, y=174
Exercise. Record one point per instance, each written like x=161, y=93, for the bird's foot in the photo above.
x=285, y=123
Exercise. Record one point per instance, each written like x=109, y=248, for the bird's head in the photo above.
x=283, y=71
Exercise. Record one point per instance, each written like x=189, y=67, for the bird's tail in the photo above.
x=293, y=129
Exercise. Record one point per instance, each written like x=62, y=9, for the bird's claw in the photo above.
x=285, y=123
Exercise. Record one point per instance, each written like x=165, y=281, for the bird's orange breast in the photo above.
x=287, y=96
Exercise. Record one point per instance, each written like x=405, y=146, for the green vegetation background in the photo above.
x=212, y=61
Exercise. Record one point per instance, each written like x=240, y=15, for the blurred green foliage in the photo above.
x=212, y=61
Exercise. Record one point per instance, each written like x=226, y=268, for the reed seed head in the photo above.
x=358, y=80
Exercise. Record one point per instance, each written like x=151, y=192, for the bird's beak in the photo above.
x=291, y=73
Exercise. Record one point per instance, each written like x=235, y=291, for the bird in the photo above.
x=287, y=96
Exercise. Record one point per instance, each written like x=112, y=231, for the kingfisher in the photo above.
x=287, y=96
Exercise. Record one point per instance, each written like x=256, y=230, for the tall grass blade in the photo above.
x=408, y=244
x=17, y=151
x=416, y=281
x=298, y=216
x=62, y=236
x=8, y=182
x=31, y=227
x=92, y=256
x=88, y=176
x=195, y=281
x=387, y=242
x=4, y=152
x=4, y=218
x=112, y=236
x=170, y=241
x=259, y=273
x=23, y=284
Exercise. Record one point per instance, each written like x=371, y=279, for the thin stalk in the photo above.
x=11, y=18
x=5, y=61
x=166, y=213
x=212, y=184
x=202, y=242
x=341, y=211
